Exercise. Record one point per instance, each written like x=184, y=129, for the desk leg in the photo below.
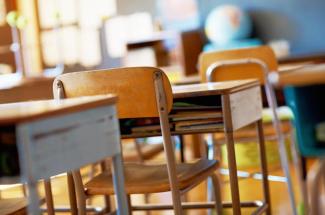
x=118, y=178
x=227, y=117
x=266, y=189
x=33, y=198
x=233, y=173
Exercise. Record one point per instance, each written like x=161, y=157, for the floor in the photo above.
x=249, y=189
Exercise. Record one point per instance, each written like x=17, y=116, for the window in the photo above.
x=70, y=30
x=2, y=12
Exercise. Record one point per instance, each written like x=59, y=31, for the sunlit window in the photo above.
x=54, y=12
x=70, y=30
x=122, y=29
x=2, y=12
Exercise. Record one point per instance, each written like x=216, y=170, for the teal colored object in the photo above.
x=308, y=106
x=245, y=43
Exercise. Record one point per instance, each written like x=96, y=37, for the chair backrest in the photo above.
x=240, y=71
x=134, y=86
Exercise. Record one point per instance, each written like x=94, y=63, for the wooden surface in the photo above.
x=156, y=42
x=246, y=107
x=311, y=74
x=141, y=178
x=13, y=206
x=192, y=43
x=14, y=88
x=134, y=87
x=28, y=111
x=248, y=71
x=148, y=151
x=184, y=80
x=216, y=88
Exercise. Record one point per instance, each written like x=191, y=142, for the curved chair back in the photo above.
x=134, y=86
x=241, y=63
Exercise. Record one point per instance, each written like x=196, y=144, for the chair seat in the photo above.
x=284, y=114
x=13, y=206
x=142, y=178
x=147, y=150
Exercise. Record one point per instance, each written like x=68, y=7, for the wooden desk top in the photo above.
x=29, y=111
x=311, y=74
x=193, y=79
x=215, y=88
x=152, y=39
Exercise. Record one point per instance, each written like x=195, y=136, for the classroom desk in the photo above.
x=46, y=138
x=240, y=104
x=304, y=90
x=15, y=88
x=304, y=75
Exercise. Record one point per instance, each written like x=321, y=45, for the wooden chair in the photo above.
x=13, y=206
x=19, y=205
x=248, y=63
x=143, y=92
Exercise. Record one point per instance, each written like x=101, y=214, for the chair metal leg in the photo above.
x=299, y=171
x=281, y=140
x=33, y=197
x=48, y=197
x=266, y=189
x=119, y=186
x=181, y=144
x=211, y=155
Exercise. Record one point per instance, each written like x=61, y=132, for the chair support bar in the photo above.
x=200, y=205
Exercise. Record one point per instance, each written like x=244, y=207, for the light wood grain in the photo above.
x=246, y=107
x=29, y=111
x=134, y=86
x=25, y=89
x=14, y=206
x=263, y=53
x=216, y=88
x=148, y=151
x=141, y=178
x=311, y=74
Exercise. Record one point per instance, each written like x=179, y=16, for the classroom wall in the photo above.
x=132, y=6
x=299, y=21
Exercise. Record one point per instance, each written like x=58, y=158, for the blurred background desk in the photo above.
x=14, y=88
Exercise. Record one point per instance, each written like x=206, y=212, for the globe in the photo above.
x=227, y=23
